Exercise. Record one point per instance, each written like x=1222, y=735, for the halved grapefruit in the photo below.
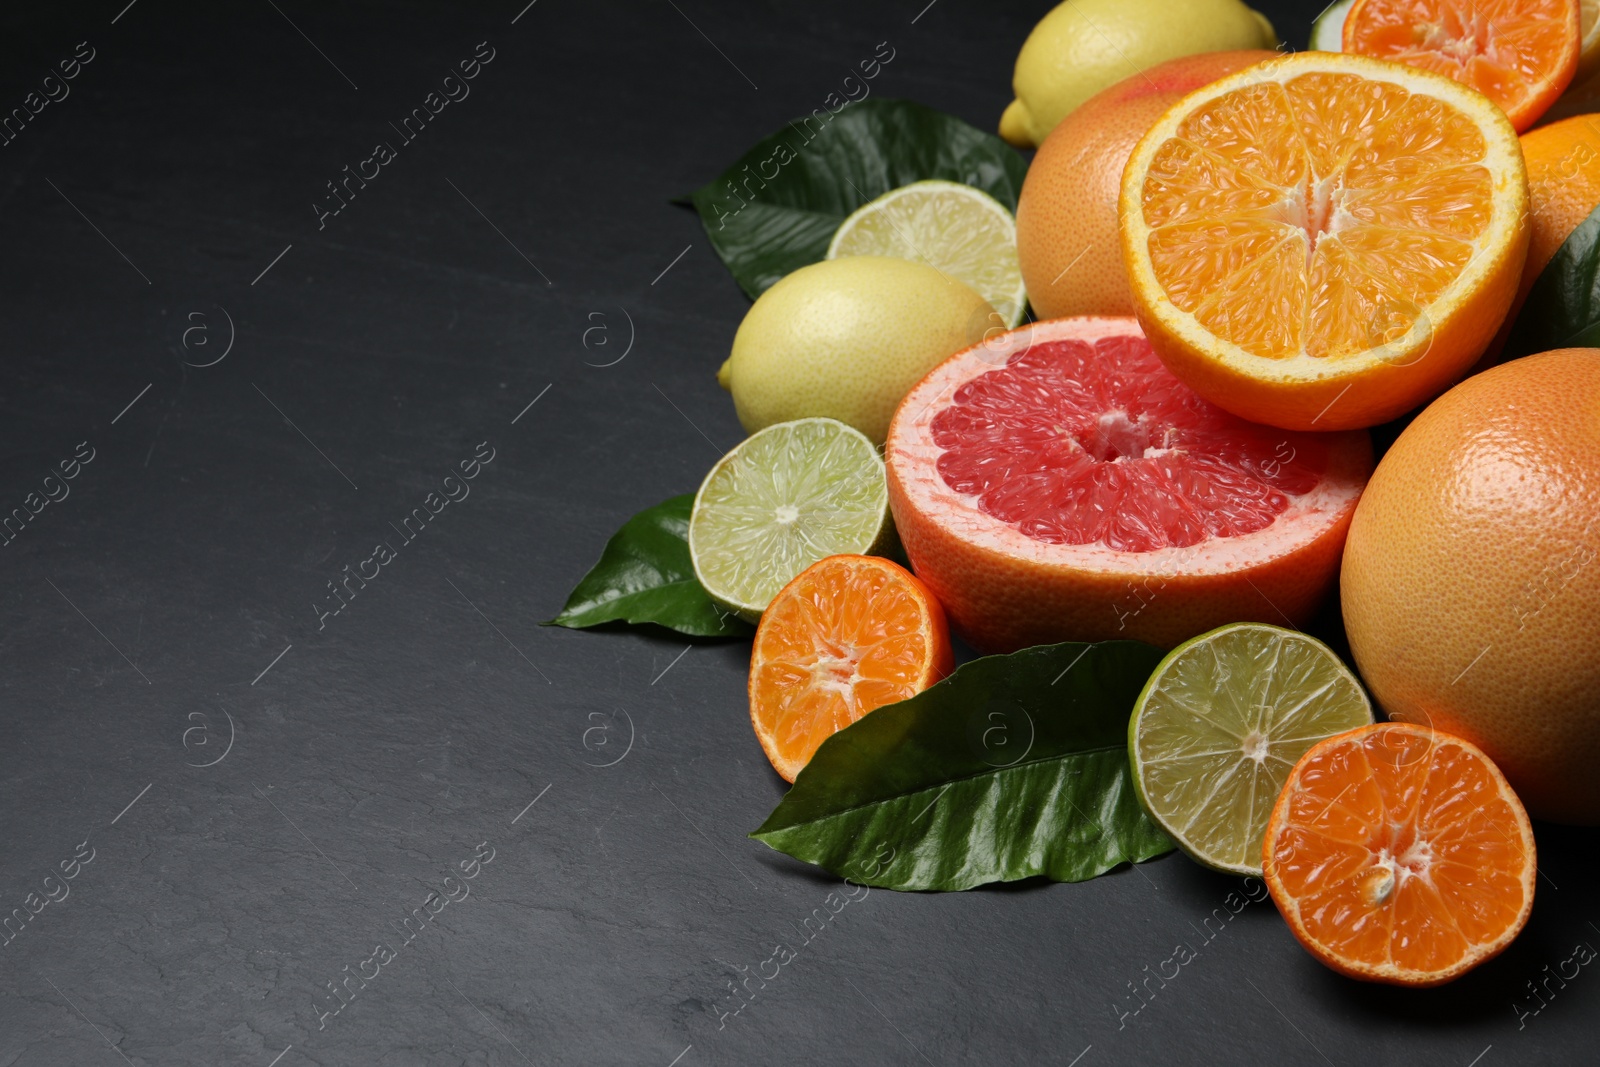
x=1057, y=483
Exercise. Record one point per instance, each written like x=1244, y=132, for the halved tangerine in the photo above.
x=1519, y=53
x=1058, y=483
x=1399, y=854
x=848, y=635
x=1324, y=241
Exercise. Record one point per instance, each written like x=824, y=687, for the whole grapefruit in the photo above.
x=1563, y=161
x=1067, y=214
x=1058, y=483
x=1470, y=579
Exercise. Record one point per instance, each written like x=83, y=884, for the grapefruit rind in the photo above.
x=1389, y=973
x=1003, y=590
x=1306, y=392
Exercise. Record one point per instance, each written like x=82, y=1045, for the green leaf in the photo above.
x=645, y=576
x=775, y=210
x=1014, y=766
x=1563, y=307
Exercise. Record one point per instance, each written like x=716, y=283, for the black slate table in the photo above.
x=228, y=772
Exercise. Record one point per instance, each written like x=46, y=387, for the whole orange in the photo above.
x=1067, y=213
x=1470, y=579
x=1563, y=161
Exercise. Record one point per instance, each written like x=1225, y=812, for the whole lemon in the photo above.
x=1471, y=576
x=847, y=338
x=1084, y=46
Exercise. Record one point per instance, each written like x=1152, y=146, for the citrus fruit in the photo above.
x=960, y=231
x=1563, y=162
x=845, y=339
x=1470, y=578
x=1583, y=95
x=1400, y=854
x=1067, y=214
x=1324, y=241
x=1327, y=35
x=1327, y=31
x=1083, y=46
x=847, y=636
x=1221, y=723
x=781, y=500
x=1058, y=483
x=1519, y=53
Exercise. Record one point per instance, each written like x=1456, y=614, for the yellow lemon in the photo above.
x=1084, y=46
x=846, y=339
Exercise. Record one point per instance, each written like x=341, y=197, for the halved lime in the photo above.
x=958, y=230
x=1327, y=32
x=1220, y=725
x=783, y=499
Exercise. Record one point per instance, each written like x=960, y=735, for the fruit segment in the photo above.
x=1304, y=218
x=1075, y=442
x=1399, y=854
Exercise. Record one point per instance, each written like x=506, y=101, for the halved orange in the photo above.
x=1399, y=854
x=1324, y=241
x=848, y=635
x=1519, y=53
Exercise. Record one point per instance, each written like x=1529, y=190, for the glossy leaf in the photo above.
x=1014, y=766
x=645, y=576
x=1563, y=307
x=776, y=209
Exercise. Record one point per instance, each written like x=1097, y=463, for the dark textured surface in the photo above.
x=379, y=750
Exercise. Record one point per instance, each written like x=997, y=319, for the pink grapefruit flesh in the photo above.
x=1058, y=483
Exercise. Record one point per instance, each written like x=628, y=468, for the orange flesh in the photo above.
x=849, y=635
x=1404, y=853
x=1318, y=216
x=1518, y=53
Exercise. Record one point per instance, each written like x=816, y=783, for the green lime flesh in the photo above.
x=783, y=499
x=1220, y=725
